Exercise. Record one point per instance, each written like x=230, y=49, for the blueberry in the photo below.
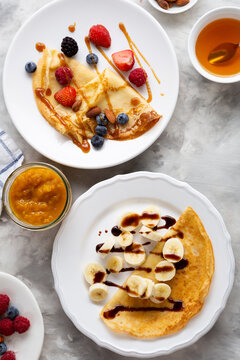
x=122, y=119
x=97, y=141
x=30, y=67
x=92, y=59
x=3, y=348
x=101, y=130
x=101, y=119
x=12, y=312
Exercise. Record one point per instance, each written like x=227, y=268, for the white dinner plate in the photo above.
x=29, y=344
x=98, y=210
x=50, y=25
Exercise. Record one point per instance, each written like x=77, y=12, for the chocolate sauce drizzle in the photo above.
x=131, y=268
x=181, y=264
x=169, y=222
x=133, y=248
x=111, y=314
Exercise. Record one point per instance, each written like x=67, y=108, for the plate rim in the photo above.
x=34, y=300
x=85, y=165
x=211, y=208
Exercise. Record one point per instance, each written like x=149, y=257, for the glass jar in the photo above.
x=6, y=199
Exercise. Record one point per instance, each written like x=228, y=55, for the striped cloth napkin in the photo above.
x=11, y=157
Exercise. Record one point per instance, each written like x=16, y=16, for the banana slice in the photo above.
x=160, y=293
x=135, y=254
x=115, y=264
x=98, y=292
x=125, y=239
x=151, y=216
x=95, y=273
x=136, y=286
x=150, y=234
x=107, y=246
x=148, y=292
x=173, y=250
x=129, y=221
x=164, y=271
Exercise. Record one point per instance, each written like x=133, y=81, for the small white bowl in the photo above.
x=219, y=13
x=174, y=9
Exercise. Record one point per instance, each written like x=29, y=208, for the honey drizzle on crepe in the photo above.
x=132, y=46
x=99, y=75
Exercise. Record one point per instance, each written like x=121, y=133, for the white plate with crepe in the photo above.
x=29, y=344
x=97, y=210
x=45, y=27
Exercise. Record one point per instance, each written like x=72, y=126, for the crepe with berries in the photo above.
x=105, y=90
x=190, y=285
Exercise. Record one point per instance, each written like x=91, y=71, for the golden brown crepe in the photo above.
x=190, y=285
x=106, y=90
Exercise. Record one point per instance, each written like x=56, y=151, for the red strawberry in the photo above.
x=66, y=96
x=138, y=76
x=124, y=59
x=100, y=36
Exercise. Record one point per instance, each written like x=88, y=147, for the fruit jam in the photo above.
x=214, y=34
x=38, y=196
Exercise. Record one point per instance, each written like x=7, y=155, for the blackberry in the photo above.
x=69, y=46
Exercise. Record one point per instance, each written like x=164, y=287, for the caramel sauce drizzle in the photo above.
x=40, y=94
x=72, y=28
x=132, y=45
x=87, y=42
x=40, y=46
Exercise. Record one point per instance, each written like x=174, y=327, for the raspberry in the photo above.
x=21, y=324
x=69, y=46
x=138, y=77
x=63, y=75
x=6, y=327
x=4, y=302
x=100, y=36
x=66, y=96
x=9, y=355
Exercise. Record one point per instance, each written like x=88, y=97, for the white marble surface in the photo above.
x=201, y=146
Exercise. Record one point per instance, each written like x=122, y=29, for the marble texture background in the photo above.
x=200, y=146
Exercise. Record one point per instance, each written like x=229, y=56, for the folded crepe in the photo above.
x=190, y=285
x=106, y=90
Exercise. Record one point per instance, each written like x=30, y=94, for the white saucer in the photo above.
x=27, y=346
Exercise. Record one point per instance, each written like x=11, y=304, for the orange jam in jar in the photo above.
x=214, y=34
x=38, y=196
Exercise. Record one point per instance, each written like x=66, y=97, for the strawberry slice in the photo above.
x=66, y=96
x=124, y=59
